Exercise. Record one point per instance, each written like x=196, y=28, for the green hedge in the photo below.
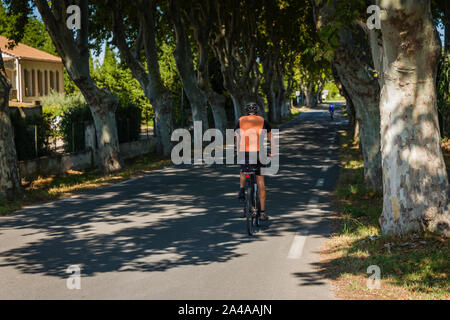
x=72, y=128
x=128, y=119
x=68, y=115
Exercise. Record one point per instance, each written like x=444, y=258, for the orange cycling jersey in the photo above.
x=250, y=129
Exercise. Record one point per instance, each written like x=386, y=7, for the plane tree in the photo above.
x=9, y=169
x=401, y=69
x=415, y=182
x=13, y=26
x=134, y=30
x=198, y=16
x=344, y=33
x=185, y=62
x=286, y=29
x=73, y=48
x=234, y=39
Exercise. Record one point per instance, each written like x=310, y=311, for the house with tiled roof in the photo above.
x=33, y=73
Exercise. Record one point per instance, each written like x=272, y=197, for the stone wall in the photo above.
x=62, y=163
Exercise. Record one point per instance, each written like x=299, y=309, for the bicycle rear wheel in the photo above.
x=249, y=211
x=257, y=210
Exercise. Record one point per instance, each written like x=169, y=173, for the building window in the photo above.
x=13, y=80
x=40, y=87
x=9, y=74
x=53, y=82
x=57, y=81
x=26, y=77
x=33, y=83
x=46, y=82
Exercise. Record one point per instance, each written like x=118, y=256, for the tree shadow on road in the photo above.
x=186, y=215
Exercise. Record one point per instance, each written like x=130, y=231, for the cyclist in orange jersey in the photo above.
x=250, y=127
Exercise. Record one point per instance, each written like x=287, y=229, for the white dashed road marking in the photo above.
x=297, y=246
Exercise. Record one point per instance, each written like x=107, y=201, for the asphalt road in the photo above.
x=178, y=233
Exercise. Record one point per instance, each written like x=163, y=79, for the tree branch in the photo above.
x=130, y=56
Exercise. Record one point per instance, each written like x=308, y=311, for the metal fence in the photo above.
x=39, y=140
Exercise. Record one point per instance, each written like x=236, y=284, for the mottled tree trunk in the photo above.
x=272, y=103
x=164, y=123
x=353, y=66
x=286, y=109
x=149, y=78
x=74, y=50
x=319, y=91
x=217, y=103
x=281, y=94
x=414, y=174
x=9, y=168
x=103, y=107
x=237, y=105
x=185, y=66
x=202, y=31
x=310, y=98
x=270, y=93
x=353, y=63
x=235, y=49
x=350, y=107
x=270, y=86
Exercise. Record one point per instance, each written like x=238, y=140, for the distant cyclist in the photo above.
x=331, y=109
x=251, y=121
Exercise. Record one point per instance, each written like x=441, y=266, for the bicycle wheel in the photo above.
x=249, y=211
x=257, y=210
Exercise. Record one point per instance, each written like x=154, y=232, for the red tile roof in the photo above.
x=22, y=51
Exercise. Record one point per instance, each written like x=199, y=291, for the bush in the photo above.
x=58, y=106
x=68, y=115
x=128, y=119
x=25, y=130
x=58, y=103
x=72, y=128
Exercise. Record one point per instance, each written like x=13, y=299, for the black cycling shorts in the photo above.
x=258, y=165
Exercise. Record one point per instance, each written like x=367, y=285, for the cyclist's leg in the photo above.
x=261, y=192
x=242, y=179
x=242, y=176
x=262, y=197
x=242, y=182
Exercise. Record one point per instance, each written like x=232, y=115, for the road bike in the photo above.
x=252, y=206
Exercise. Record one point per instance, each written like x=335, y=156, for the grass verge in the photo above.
x=412, y=266
x=44, y=189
